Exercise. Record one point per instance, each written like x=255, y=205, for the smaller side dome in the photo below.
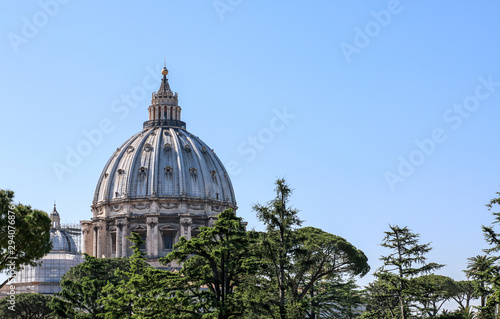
x=62, y=241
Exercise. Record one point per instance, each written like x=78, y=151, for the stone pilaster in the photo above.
x=186, y=227
x=121, y=239
x=119, y=229
x=88, y=234
x=152, y=236
x=101, y=238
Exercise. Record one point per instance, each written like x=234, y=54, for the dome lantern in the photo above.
x=164, y=108
x=55, y=218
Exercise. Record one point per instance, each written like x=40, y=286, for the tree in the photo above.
x=24, y=235
x=219, y=259
x=27, y=306
x=303, y=264
x=482, y=269
x=406, y=261
x=210, y=284
x=277, y=244
x=464, y=292
x=431, y=292
x=381, y=301
x=320, y=260
x=82, y=285
x=485, y=270
x=131, y=296
x=334, y=298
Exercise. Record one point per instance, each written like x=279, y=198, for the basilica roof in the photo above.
x=164, y=160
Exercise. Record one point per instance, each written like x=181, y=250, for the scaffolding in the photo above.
x=45, y=277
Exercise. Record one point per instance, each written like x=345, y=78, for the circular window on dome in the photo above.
x=148, y=148
x=167, y=147
x=187, y=148
x=192, y=170
x=203, y=149
x=168, y=169
x=120, y=171
x=130, y=149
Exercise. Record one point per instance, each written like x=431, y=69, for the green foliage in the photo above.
x=81, y=287
x=484, y=269
x=210, y=283
x=334, y=298
x=128, y=297
x=380, y=301
x=278, y=242
x=300, y=267
x=431, y=292
x=24, y=235
x=216, y=264
x=463, y=292
x=396, y=278
x=27, y=306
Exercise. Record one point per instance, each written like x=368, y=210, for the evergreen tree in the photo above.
x=405, y=262
x=81, y=287
x=485, y=269
x=431, y=292
x=278, y=242
x=304, y=265
x=131, y=296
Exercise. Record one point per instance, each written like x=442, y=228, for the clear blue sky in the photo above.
x=365, y=91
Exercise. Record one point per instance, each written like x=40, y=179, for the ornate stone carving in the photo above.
x=139, y=228
x=186, y=223
x=168, y=205
x=196, y=206
x=152, y=221
x=86, y=227
x=116, y=208
x=100, y=211
x=141, y=206
x=217, y=208
x=168, y=227
x=121, y=222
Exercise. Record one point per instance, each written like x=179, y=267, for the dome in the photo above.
x=62, y=241
x=163, y=183
x=164, y=162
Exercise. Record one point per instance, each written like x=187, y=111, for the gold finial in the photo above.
x=164, y=71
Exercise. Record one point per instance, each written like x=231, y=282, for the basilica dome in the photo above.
x=162, y=183
x=62, y=241
x=164, y=162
